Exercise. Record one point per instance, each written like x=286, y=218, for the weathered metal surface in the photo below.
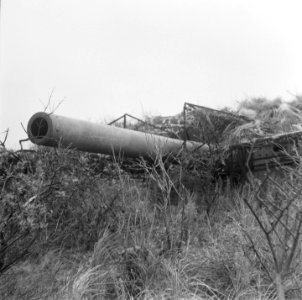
x=262, y=155
x=53, y=130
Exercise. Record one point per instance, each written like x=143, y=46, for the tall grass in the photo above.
x=111, y=238
x=176, y=232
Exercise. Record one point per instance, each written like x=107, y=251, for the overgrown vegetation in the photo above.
x=78, y=226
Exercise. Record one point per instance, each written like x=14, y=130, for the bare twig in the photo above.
x=23, y=128
x=54, y=107
x=266, y=233
x=49, y=100
x=257, y=254
x=2, y=143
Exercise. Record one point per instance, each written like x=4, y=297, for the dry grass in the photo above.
x=129, y=263
x=269, y=117
x=106, y=235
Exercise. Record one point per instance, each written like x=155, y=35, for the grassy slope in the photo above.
x=102, y=234
x=120, y=238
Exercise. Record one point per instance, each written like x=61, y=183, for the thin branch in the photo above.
x=49, y=100
x=268, y=238
x=296, y=242
x=2, y=143
x=23, y=128
x=258, y=255
x=272, y=213
x=288, y=205
x=21, y=141
x=54, y=108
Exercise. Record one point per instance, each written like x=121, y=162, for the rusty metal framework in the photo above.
x=124, y=118
x=206, y=110
x=147, y=126
x=206, y=124
x=192, y=116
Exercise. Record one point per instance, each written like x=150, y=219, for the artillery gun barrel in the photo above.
x=54, y=130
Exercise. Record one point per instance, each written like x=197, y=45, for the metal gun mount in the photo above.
x=262, y=155
x=257, y=156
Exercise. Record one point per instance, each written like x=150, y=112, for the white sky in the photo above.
x=108, y=57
